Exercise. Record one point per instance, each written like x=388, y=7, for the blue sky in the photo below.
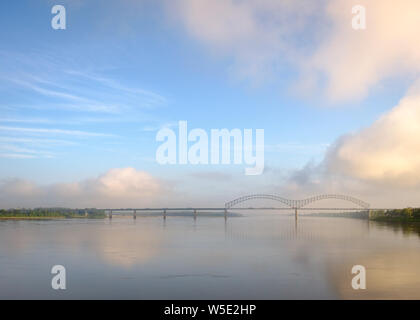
x=78, y=102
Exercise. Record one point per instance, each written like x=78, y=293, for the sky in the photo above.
x=80, y=108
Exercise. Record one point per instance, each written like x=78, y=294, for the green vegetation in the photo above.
x=51, y=213
x=401, y=215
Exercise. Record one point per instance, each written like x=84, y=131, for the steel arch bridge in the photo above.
x=297, y=204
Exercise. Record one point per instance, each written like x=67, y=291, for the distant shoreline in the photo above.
x=45, y=218
x=396, y=219
x=51, y=214
x=406, y=215
x=396, y=215
x=65, y=213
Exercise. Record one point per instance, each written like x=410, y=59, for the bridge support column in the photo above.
x=135, y=214
x=110, y=214
x=225, y=214
x=195, y=214
x=296, y=214
x=164, y=214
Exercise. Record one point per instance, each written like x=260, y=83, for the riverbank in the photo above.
x=396, y=215
x=51, y=213
x=47, y=218
x=406, y=215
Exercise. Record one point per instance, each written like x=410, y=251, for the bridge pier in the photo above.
x=225, y=214
x=110, y=214
x=195, y=214
x=164, y=214
x=296, y=214
x=135, y=214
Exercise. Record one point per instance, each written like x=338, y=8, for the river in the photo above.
x=259, y=255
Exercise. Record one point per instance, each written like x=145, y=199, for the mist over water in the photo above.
x=258, y=255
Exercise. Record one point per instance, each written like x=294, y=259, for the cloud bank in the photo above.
x=264, y=36
x=353, y=62
x=388, y=151
x=381, y=162
x=121, y=187
x=260, y=35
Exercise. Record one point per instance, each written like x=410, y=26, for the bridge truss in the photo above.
x=297, y=204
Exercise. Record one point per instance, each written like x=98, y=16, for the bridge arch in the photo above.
x=296, y=204
x=358, y=202
x=236, y=201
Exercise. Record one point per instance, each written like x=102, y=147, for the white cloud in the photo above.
x=126, y=183
x=355, y=61
x=259, y=34
x=380, y=163
x=120, y=187
x=317, y=37
x=387, y=151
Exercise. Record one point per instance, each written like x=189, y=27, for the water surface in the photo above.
x=257, y=256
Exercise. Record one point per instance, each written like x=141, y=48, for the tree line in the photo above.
x=52, y=213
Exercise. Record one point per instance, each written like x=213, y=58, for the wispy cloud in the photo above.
x=70, y=88
x=35, y=141
x=217, y=176
x=65, y=100
x=153, y=128
x=16, y=156
x=55, y=131
x=49, y=92
x=23, y=153
x=76, y=120
x=296, y=147
x=25, y=120
x=31, y=148
x=150, y=96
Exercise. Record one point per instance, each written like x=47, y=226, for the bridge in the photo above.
x=289, y=204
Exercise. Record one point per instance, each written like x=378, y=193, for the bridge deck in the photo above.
x=233, y=209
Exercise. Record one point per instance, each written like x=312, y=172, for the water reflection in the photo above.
x=267, y=256
x=406, y=229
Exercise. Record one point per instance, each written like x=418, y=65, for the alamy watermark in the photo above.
x=58, y=282
x=359, y=280
x=59, y=20
x=220, y=147
x=358, y=21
